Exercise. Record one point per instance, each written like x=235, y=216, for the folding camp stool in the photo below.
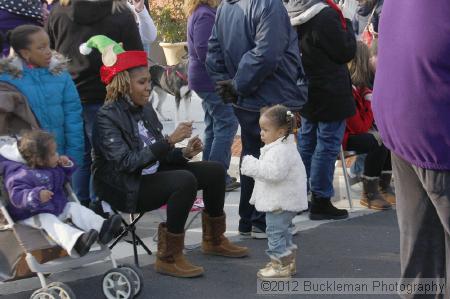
x=129, y=228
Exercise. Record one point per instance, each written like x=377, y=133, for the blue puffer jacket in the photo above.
x=253, y=43
x=53, y=99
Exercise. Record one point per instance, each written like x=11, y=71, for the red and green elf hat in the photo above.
x=115, y=59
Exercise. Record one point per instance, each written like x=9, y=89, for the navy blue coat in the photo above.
x=253, y=43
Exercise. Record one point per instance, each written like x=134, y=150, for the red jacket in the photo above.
x=362, y=121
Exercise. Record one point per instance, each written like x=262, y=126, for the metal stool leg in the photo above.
x=135, y=244
x=347, y=183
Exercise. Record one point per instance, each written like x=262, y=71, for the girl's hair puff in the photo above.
x=281, y=117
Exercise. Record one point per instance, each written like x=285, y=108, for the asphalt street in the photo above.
x=362, y=247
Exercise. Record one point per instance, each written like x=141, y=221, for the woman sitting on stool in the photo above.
x=362, y=137
x=136, y=169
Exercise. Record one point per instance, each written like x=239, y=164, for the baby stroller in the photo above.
x=25, y=251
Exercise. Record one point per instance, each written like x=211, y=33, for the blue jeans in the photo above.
x=357, y=167
x=319, y=144
x=279, y=237
x=81, y=179
x=221, y=127
x=251, y=144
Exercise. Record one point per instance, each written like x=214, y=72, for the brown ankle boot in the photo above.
x=214, y=242
x=170, y=259
x=386, y=189
x=371, y=197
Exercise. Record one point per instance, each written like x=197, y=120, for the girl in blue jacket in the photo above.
x=42, y=77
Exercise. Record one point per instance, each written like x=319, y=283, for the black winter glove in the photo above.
x=226, y=91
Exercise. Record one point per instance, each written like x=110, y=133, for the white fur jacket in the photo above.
x=280, y=177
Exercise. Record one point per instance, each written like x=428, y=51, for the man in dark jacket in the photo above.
x=327, y=44
x=68, y=27
x=254, y=58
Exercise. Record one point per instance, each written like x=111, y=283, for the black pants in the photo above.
x=378, y=157
x=251, y=144
x=423, y=212
x=177, y=187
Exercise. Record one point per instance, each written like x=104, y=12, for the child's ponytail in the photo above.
x=290, y=120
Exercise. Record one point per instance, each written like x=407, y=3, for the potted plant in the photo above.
x=171, y=23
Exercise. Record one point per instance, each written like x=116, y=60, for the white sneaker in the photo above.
x=275, y=269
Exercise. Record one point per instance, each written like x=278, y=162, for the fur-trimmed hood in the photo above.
x=14, y=65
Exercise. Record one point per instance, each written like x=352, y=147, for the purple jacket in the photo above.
x=411, y=100
x=200, y=25
x=23, y=185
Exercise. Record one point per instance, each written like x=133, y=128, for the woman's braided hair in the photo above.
x=281, y=117
x=119, y=86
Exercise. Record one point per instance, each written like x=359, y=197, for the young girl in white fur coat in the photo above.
x=280, y=188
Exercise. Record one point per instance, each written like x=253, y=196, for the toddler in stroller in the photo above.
x=24, y=250
x=35, y=182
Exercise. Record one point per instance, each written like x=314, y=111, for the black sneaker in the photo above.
x=85, y=241
x=233, y=184
x=245, y=233
x=258, y=233
x=245, y=230
x=323, y=209
x=110, y=228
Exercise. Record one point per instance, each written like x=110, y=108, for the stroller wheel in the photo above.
x=136, y=274
x=42, y=294
x=118, y=284
x=61, y=291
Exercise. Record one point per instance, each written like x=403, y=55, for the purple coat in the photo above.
x=200, y=25
x=411, y=100
x=23, y=185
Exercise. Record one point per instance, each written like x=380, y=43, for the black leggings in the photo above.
x=378, y=156
x=177, y=187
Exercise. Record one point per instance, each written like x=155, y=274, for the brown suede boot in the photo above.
x=371, y=197
x=386, y=189
x=214, y=242
x=170, y=259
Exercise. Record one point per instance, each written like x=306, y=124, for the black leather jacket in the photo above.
x=119, y=155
